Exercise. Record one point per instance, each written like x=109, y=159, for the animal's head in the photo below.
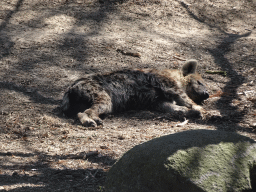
x=194, y=84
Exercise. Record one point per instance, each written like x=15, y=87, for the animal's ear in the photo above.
x=189, y=67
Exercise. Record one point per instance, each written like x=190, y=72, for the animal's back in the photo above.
x=129, y=89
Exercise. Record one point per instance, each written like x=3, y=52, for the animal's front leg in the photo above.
x=196, y=110
x=87, y=121
x=182, y=99
x=168, y=107
x=101, y=105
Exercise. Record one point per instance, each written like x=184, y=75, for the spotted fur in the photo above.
x=163, y=90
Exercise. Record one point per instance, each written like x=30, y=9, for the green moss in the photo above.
x=194, y=161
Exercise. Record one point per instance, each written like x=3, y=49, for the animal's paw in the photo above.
x=86, y=120
x=204, y=115
x=98, y=120
x=196, y=112
x=213, y=115
x=209, y=115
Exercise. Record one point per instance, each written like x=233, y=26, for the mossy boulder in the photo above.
x=194, y=161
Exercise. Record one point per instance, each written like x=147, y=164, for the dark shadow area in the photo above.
x=146, y=116
x=33, y=94
x=253, y=179
x=56, y=179
x=151, y=116
x=236, y=80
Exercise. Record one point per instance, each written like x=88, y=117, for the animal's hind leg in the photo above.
x=101, y=105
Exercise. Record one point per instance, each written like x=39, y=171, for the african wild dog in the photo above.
x=162, y=90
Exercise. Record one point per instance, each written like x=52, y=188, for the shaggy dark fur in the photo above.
x=163, y=90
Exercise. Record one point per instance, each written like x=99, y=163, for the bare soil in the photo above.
x=46, y=44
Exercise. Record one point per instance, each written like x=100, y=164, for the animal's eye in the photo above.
x=199, y=83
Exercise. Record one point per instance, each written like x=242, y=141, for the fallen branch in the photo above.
x=224, y=73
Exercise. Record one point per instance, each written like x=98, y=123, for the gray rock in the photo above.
x=194, y=161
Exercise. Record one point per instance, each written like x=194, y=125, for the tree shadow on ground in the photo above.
x=33, y=94
x=26, y=74
x=41, y=56
x=77, y=179
x=5, y=42
x=46, y=178
x=219, y=54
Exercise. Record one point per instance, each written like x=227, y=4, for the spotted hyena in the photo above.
x=163, y=90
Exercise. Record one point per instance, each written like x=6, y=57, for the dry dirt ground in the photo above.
x=47, y=44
